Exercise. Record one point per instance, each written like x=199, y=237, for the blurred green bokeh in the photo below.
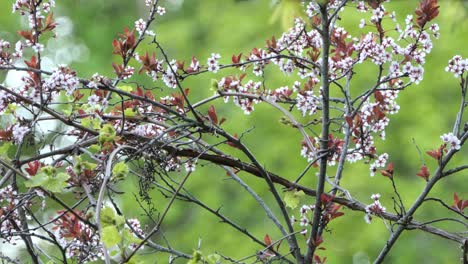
x=200, y=27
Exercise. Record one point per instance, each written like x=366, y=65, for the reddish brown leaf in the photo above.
x=423, y=172
x=319, y=260
x=117, y=69
x=212, y=115
x=117, y=47
x=33, y=167
x=388, y=172
x=427, y=11
x=317, y=241
x=278, y=245
x=455, y=198
x=236, y=59
x=172, y=134
x=149, y=63
x=50, y=24
x=195, y=65
x=378, y=96
x=6, y=135
x=267, y=240
x=349, y=121
x=374, y=3
x=459, y=205
x=178, y=100
x=138, y=91
x=332, y=212
x=436, y=154
x=27, y=35
x=180, y=65
x=326, y=199
x=32, y=63
x=77, y=95
x=222, y=120
x=232, y=144
x=272, y=43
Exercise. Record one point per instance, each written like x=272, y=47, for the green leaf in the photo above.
x=214, y=259
x=292, y=198
x=11, y=108
x=125, y=88
x=49, y=180
x=56, y=183
x=81, y=165
x=6, y=149
x=96, y=123
x=129, y=112
x=119, y=171
x=86, y=122
x=107, y=216
x=36, y=180
x=196, y=257
x=214, y=85
x=110, y=236
x=95, y=148
x=107, y=133
x=89, y=165
x=67, y=108
x=89, y=122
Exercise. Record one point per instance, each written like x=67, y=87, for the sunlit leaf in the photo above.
x=110, y=236
x=292, y=198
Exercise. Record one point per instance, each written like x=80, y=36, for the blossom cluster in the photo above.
x=305, y=216
x=9, y=217
x=375, y=208
x=23, y=6
x=135, y=227
x=212, y=62
x=307, y=102
x=233, y=84
x=452, y=141
x=457, y=65
x=18, y=132
x=64, y=78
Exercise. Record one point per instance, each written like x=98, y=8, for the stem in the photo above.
x=316, y=222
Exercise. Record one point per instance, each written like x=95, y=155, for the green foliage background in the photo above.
x=199, y=27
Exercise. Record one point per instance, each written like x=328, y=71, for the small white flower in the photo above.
x=190, y=166
x=375, y=196
x=161, y=10
x=304, y=221
x=93, y=100
x=362, y=23
x=140, y=25
x=212, y=62
x=38, y=47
